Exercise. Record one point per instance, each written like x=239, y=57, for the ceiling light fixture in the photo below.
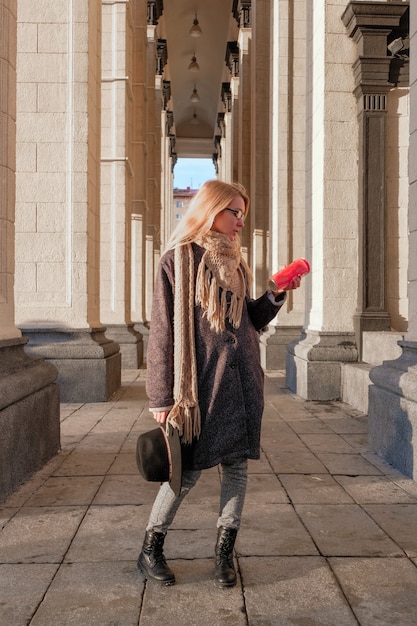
x=194, y=66
x=195, y=119
x=195, y=30
x=194, y=96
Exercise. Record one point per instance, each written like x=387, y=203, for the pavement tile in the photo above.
x=76, y=425
x=358, y=442
x=310, y=426
x=289, y=411
x=26, y=491
x=129, y=444
x=125, y=489
x=109, y=533
x=264, y=489
x=293, y=590
x=406, y=483
x=196, y=517
x=193, y=600
x=345, y=425
x=6, y=515
x=276, y=429
x=326, y=443
x=260, y=466
x=125, y=463
x=380, y=591
x=368, y=489
x=40, y=534
x=22, y=588
x=113, y=422
x=286, y=443
x=314, y=489
x=85, y=463
x=399, y=521
x=66, y=490
x=195, y=541
x=273, y=529
x=103, y=443
x=93, y=594
x=300, y=463
x=349, y=464
x=345, y=530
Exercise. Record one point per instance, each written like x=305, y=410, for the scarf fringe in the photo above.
x=213, y=300
x=188, y=421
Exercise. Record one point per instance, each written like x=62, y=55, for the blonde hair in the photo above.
x=212, y=198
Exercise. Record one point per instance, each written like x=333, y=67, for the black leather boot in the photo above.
x=151, y=561
x=225, y=574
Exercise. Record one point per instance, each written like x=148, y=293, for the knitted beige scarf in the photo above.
x=219, y=272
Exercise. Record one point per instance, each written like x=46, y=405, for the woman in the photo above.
x=211, y=385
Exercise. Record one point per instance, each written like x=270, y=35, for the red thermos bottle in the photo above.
x=282, y=279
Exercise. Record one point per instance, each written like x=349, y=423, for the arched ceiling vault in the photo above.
x=195, y=123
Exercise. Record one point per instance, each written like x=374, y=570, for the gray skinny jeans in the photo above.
x=232, y=496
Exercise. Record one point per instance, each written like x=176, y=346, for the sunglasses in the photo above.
x=239, y=214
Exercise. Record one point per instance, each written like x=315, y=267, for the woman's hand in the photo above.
x=293, y=284
x=161, y=416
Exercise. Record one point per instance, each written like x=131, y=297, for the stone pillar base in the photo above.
x=88, y=364
x=313, y=368
x=392, y=413
x=29, y=415
x=130, y=342
x=273, y=345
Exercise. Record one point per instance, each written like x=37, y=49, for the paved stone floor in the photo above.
x=329, y=534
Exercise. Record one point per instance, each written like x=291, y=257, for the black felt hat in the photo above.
x=158, y=456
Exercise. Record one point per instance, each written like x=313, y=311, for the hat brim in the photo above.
x=158, y=456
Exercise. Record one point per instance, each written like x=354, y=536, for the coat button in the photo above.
x=233, y=365
x=231, y=340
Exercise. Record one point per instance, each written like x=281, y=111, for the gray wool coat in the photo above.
x=229, y=373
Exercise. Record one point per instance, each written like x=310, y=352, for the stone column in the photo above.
x=314, y=362
x=139, y=216
x=117, y=181
x=393, y=395
x=244, y=139
x=232, y=61
x=261, y=137
x=227, y=138
x=58, y=196
x=156, y=49
x=369, y=25
x=287, y=167
x=29, y=397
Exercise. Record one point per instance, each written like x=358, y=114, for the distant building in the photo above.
x=182, y=199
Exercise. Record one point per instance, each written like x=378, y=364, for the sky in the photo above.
x=193, y=173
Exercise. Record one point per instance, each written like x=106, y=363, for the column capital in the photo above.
x=166, y=93
x=232, y=57
x=242, y=12
x=155, y=9
x=226, y=96
x=161, y=56
x=363, y=18
x=380, y=31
